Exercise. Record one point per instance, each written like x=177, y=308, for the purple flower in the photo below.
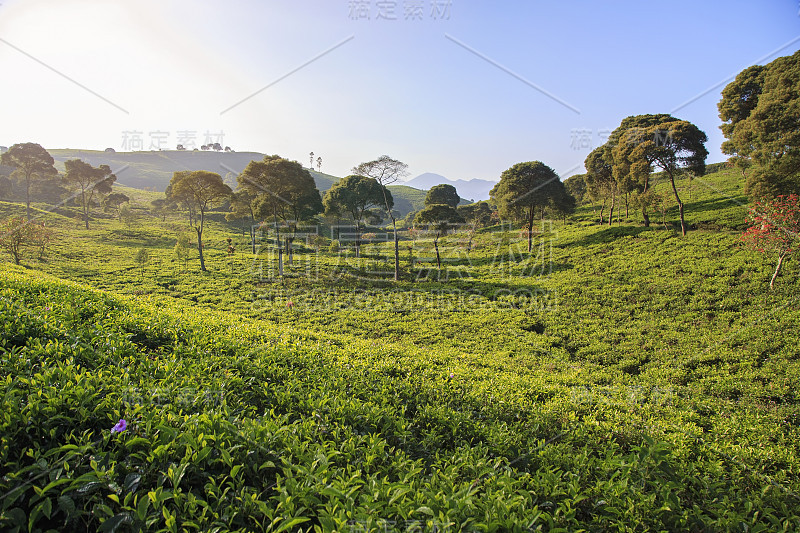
x=452, y=375
x=120, y=427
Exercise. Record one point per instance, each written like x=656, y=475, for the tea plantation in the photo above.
x=616, y=378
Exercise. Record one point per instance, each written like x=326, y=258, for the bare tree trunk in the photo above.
x=199, y=231
x=396, y=251
x=602, y=207
x=778, y=267
x=530, y=229
x=644, y=206
x=680, y=204
x=436, y=247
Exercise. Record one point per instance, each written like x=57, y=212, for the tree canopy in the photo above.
x=386, y=171
x=88, y=180
x=443, y=194
x=280, y=189
x=524, y=188
x=666, y=143
x=198, y=191
x=32, y=162
x=760, y=110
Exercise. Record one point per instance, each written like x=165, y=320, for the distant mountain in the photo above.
x=475, y=189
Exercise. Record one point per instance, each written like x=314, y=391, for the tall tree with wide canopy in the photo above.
x=443, y=194
x=88, y=180
x=355, y=195
x=282, y=190
x=523, y=189
x=386, y=171
x=32, y=162
x=199, y=191
x=760, y=110
x=672, y=145
x=630, y=131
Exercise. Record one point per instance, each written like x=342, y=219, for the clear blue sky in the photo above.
x=461, y=88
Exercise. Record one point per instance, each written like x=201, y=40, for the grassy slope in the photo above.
x=152, y=170
x=620, y=378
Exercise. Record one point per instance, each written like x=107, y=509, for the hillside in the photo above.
x=613, y=376
x=153, y=170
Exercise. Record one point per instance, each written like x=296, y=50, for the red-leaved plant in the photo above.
x=775, y=226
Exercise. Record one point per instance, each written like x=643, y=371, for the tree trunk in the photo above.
x=396, y=252
x=27, y=199
x=436, y=247
x=602, y=207
x=644, y=206
x=253, y=238
x=627, y=215
x=199, y=231
x=778, y=267
x=680, y=204
x=85, y=210
x=530, y=230
x=611, y=211
x=358, y=239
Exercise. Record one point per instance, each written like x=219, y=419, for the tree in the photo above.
x=6, y=187
x=440, y=218
x=114, y=201
x=760, y=111
x=182, y=248
x=141, y=258
x=675, y=146
x=443, y=194
x=775, y=227
x=199, y=190
x=16, y=234
x=600, y=179
x=311, y=159
x=629, y=132
x=476, y=216
x=386, y=171
x=180, y=148
x=282, y=190
x=319, y=163
x=576, y=186
x=524, y=188
x=89, y=180
x=355, y=195
x=32, y=162
x=243, y=208
x=160, y=208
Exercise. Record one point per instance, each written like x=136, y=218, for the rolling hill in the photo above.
x=151, y=170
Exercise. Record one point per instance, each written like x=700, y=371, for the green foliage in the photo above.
x=612, y=379
x=32, y=162
x=759, y=111
x=88, y=180
x=141, y=258
x=17, y=236
x=198, y=192
x=442, y=194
